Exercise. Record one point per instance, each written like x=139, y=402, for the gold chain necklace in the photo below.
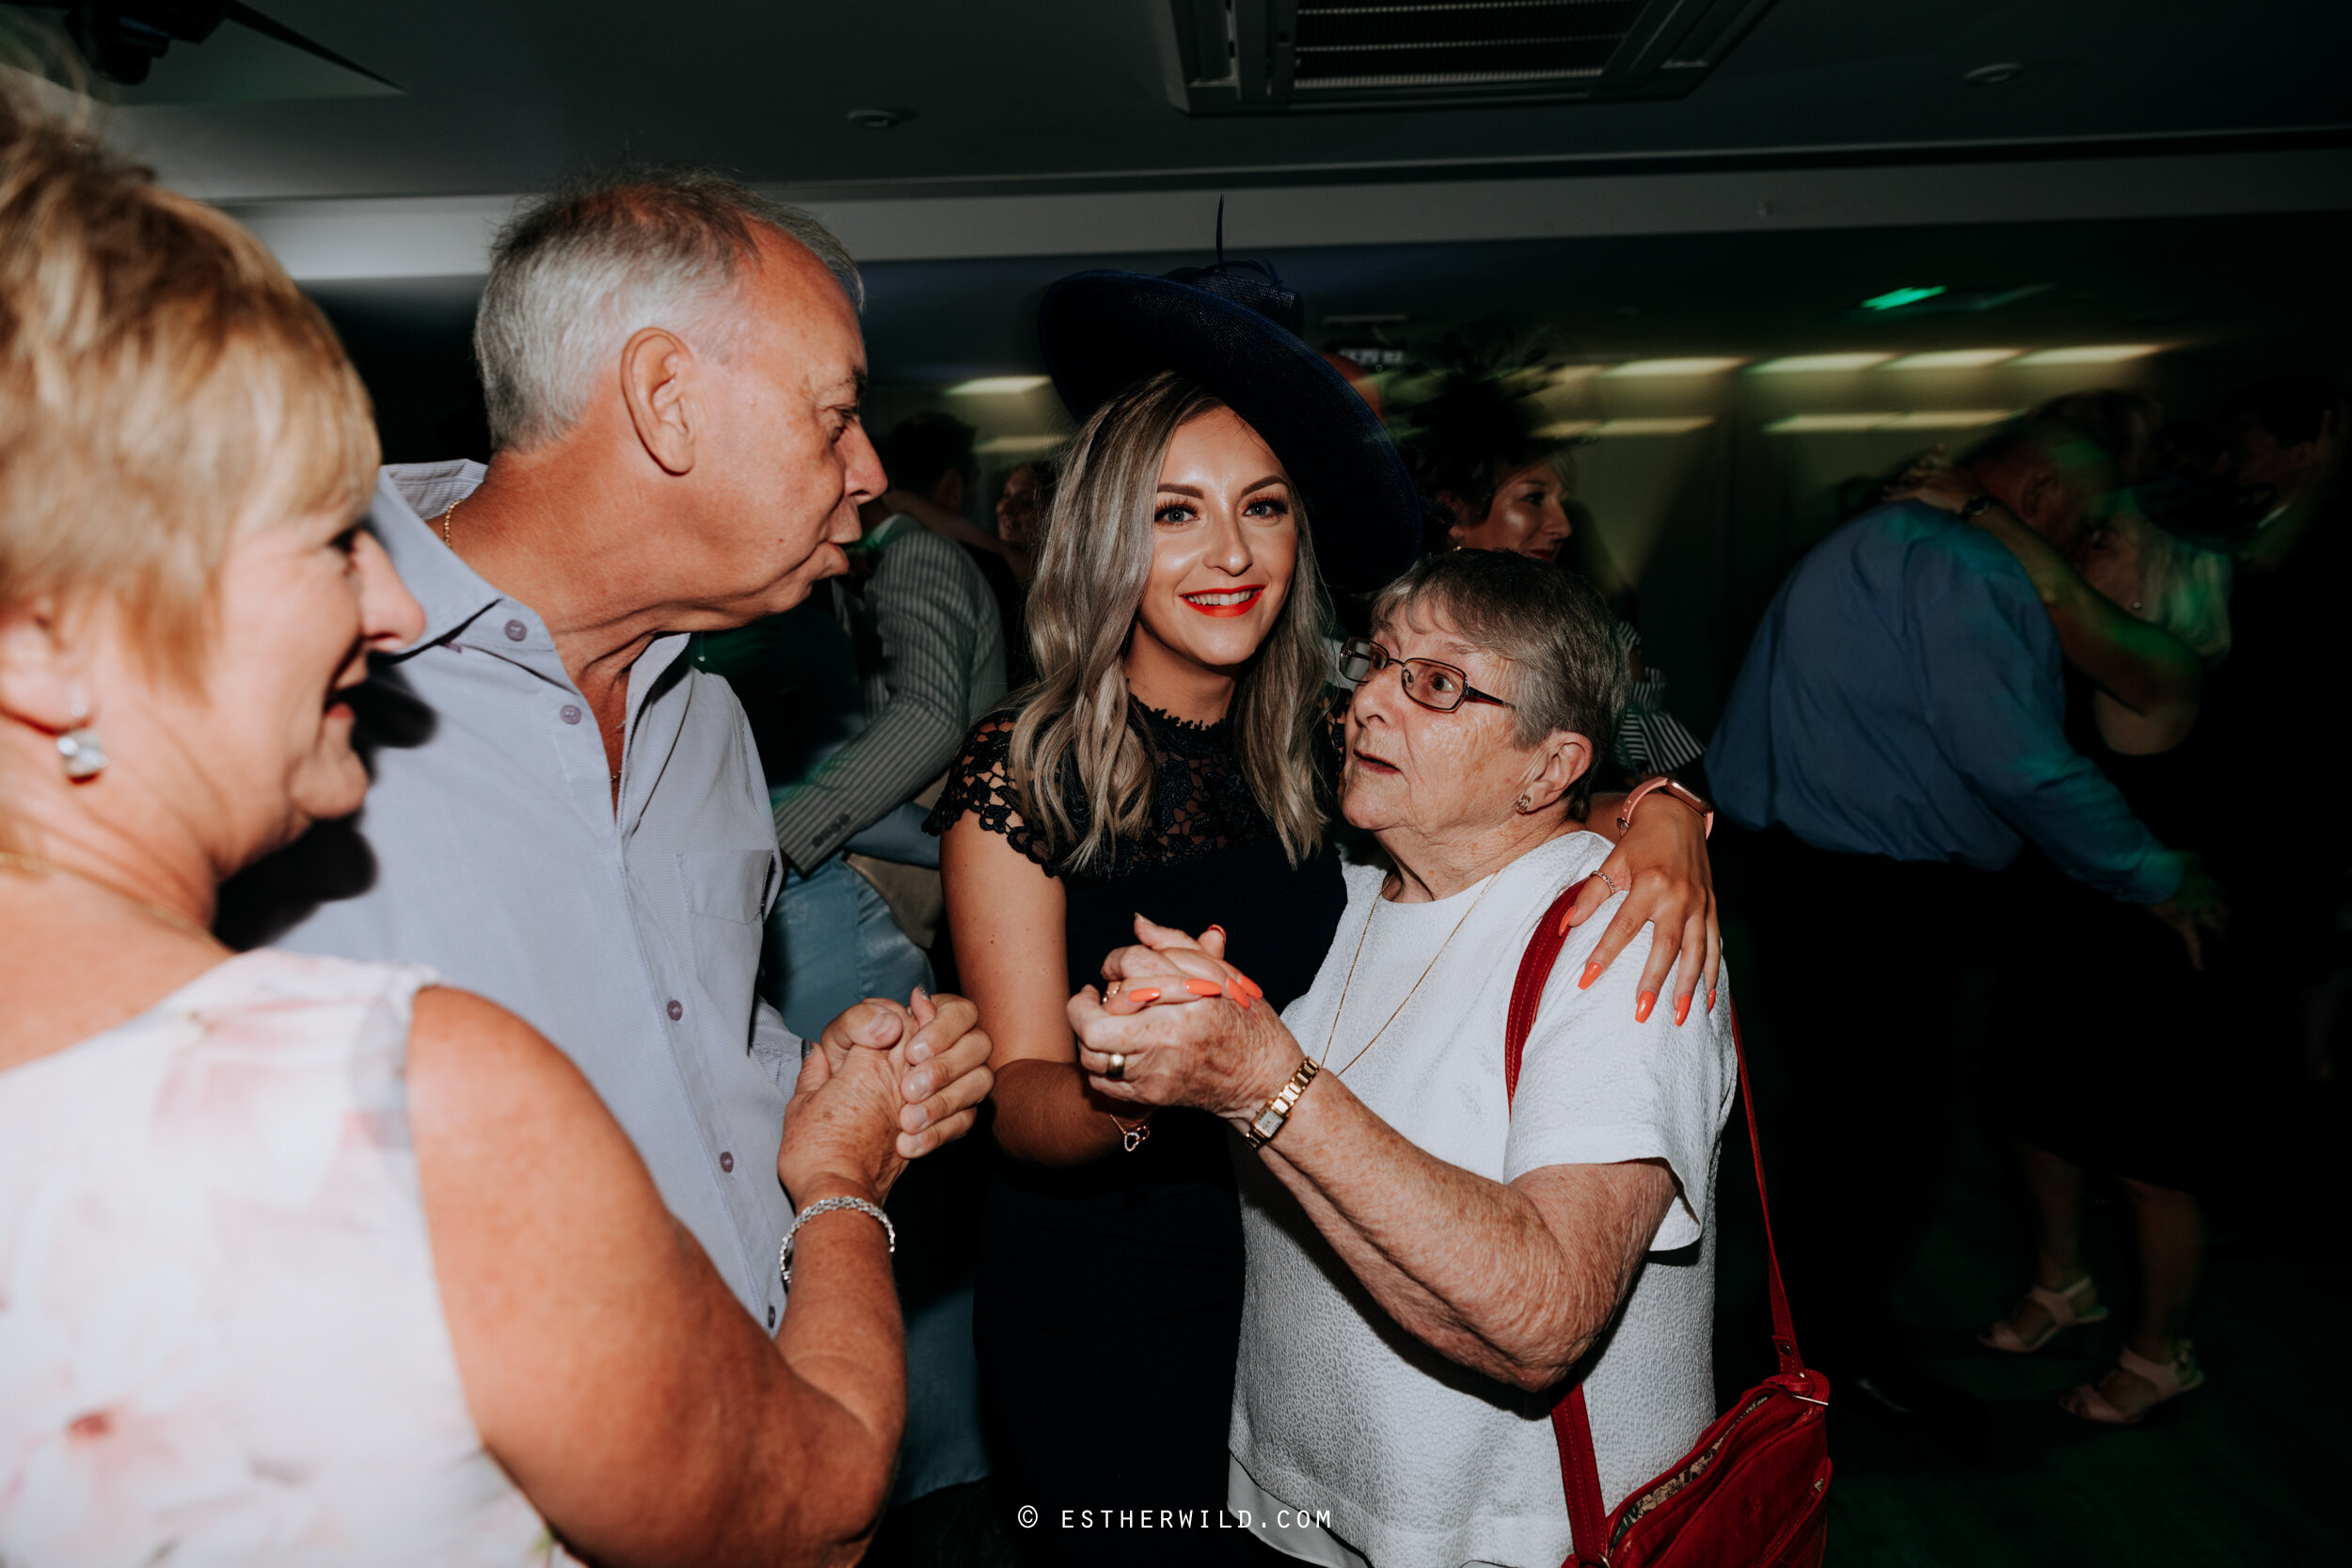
x=1337, y=1013
x=447, y=542
x=173, y=917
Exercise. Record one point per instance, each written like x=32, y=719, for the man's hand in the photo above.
x=1661, y=868
x=944, y=1074
x=840, y=1130
x=2196, y=907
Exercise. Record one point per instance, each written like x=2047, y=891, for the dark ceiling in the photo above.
x=507, y=95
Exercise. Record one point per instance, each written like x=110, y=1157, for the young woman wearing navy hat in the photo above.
x=1170, y=762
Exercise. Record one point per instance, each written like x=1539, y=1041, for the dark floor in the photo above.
x=2243, y=1470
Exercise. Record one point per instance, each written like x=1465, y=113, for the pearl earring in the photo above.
x=85, y=758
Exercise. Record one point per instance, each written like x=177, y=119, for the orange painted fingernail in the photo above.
x=1711, y=1000
x=1244, y=982
x=1592, y=973
x=1144, y=995
x=1218, y=929
x=1642, y=1004
x=1204, y=988
x=1682, y=1008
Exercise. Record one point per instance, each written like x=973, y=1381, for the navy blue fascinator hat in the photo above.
x=1233, y=328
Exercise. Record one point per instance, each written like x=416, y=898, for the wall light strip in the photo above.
x=2092, y=353
x=1954, y=360
x=1804, y=364
x=1019, y=445
x=1653, y=427
x=1925, y=419
x=1563, y=429
x=1813, y=424
x=1674, y=367
x=996, y=385
x=1951, y=418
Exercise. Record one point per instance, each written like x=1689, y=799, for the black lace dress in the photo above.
x=1107, y=1312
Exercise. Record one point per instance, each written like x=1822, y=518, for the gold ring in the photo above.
x=1118, y=1069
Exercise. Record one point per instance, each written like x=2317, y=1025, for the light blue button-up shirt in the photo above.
x=1904, y=697
x=489, y=849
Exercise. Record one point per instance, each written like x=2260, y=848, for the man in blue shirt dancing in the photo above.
x=1895, y=735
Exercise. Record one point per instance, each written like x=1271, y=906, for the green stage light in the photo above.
x=1895, y=299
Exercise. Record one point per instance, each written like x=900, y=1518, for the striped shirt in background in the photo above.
x=1650, y=741
x=930, y=661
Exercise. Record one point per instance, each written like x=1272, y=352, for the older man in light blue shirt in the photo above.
x=566, y=816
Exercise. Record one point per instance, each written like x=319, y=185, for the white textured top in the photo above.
x=221, y=1339
x=1418, y=1460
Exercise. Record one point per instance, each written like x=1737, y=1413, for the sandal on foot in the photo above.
x=2170, y=1379
x=2057, y=1305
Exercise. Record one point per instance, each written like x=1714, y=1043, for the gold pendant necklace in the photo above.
x=1364, y=937
x=34, y=864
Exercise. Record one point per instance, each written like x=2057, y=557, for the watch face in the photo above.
x=1269, y=1122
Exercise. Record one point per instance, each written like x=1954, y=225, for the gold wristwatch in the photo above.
x=1277, y=1112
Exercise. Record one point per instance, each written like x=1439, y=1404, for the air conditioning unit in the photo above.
x=1284, y=56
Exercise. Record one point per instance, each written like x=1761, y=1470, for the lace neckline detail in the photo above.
x=1191, y=738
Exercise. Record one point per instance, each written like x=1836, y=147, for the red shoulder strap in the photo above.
x=1571, y=1425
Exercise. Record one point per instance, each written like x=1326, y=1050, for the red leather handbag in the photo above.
x=1754, y=1492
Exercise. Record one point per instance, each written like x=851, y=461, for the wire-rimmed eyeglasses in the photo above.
x=1438, y=687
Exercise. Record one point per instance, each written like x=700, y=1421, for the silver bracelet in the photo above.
x=827, y=1206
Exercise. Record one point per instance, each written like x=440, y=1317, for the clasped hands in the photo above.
x=1188, y=1027
x=886, y=1084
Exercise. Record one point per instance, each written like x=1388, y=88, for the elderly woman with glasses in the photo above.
x=1428, y=1260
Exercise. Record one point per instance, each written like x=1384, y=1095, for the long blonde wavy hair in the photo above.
x=1077, y=720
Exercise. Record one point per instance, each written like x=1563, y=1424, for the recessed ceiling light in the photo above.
x=1954, y=360
x=1950, y=419
x=2092, y=353
x=1674, y=367
x=993, y=385
x=1802, y=424
x=1654, y=427
x=1800, y=364
x=1013, y=445
x=880, y=119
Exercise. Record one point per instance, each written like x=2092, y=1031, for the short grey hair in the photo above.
x=574, y=274
x=1569, y=671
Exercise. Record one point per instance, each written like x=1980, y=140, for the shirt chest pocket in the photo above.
x=726, y=896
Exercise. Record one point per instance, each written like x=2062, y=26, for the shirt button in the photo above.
x=517, y=631
x=771, y=1319
x=726, y=1160
x=677, y=1011
x=571, y=713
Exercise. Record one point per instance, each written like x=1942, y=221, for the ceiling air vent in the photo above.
x=1277, y=56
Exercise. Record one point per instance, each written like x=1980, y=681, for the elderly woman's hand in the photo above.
x=1210, y=1053
x=1661, y=868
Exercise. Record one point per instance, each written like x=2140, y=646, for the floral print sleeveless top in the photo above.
x=221, y=1339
